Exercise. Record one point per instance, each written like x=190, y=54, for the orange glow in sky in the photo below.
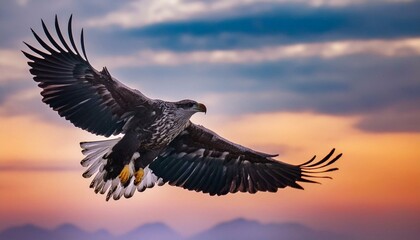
x=378, y=172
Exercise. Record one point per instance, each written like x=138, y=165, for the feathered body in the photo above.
x=144, y=140
x=159, y=143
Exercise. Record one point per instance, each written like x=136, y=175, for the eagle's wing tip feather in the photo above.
x=310, y=170
x=319, y=164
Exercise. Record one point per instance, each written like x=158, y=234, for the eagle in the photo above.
x=155, y=141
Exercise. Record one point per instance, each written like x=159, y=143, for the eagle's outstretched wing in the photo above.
x=90, y=99
x=198, y=159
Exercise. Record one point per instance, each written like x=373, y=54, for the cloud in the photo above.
x=348, y=85
x=18, y=16
x=392, y=120
x=35, y=167
x=365, y=78
x=22, y=2
x=17, y=101
x=17, y=89
x=324, y=59
x=146, y=12
x=362, y=85
x=13, y=66
x=24, y=99
x=283, y=24
x=327, y=50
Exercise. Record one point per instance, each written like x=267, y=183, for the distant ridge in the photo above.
x=152, y=231
x=63, y=232
x=244, y=229
x=156, y=231
x=236, y=229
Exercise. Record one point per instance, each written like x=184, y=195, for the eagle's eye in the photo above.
x=189, y=105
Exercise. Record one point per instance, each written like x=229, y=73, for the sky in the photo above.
x=296, y=78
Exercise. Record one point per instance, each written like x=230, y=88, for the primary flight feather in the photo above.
x=159, y=143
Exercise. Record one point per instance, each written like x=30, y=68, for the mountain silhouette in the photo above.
x=28, y=231
x=252, y=230
x=62, y=232
x=236, y=229
x=156, y=231
x=152, y=231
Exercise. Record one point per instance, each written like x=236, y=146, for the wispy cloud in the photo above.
x=12, y=65
x=273, y=26
x=36, y=166
x=146, y=12
x=19, y=100
x=22, y=2
x=327, y=50
x=392, y=120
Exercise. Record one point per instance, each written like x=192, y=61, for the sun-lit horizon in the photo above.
x=59, y=179
x=330, y=78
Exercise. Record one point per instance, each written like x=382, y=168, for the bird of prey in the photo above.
x=158, y=144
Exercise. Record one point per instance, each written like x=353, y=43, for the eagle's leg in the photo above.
x=146, y=157
x=121, y=158
x=138, y=176
x=128, y=169
x=125, y=174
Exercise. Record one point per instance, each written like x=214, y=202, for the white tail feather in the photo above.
x=95, y=160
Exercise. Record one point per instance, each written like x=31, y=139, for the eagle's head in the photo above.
x=189, y=107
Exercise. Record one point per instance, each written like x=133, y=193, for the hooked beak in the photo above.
x=199, y=107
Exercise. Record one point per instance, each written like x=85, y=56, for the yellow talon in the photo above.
x=139, y=176
x=125, y=174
